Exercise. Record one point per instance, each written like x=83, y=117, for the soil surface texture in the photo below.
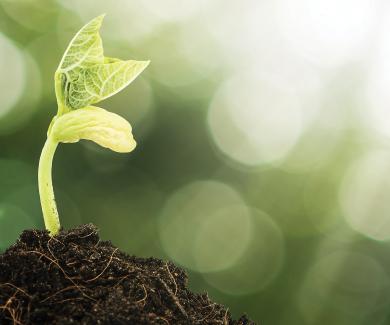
x=75, y=278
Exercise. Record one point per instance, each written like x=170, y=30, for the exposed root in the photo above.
x=144, y=298
x=13, y=311
x=48, y=244
x=59, y=291
x=88, y=235
x=15, y=316
x=15, y=287
x=63, y=271
x=226, y=319
x=172, y=277
x=120, y=280
x=164, y=319
x=174, y=298
x=108, y=264
x=69, y=299
x=210, y=313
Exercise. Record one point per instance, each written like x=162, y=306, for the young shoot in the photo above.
x=85, y=77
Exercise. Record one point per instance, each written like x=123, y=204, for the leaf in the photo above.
x=96, y=124
x=85, y=76
x=102, y=81
x=85, y=49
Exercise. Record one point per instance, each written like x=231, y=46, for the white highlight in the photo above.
x=255, y=122
x=365, y=193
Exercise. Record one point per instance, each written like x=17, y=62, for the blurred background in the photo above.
x=263, y=158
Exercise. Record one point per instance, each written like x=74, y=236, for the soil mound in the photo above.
x=75, y=278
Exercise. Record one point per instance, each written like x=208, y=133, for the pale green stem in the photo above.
x=46, y=192
x=59, y=93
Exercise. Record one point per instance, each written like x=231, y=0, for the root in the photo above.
x=48, y=245
x=69, y=299
x=59, y=291
x=164, y=319
x=15, y=316
x=15, y=287
x=90, y=234
x=210, y=313
x=174, y=298
x=172, y=277
x=108, y=264
x=225, y=318
x=13, y=311
x=63, y=271
x=144, y=298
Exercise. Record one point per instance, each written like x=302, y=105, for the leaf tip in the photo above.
x=126, y=147
x=97, y=20
x=101, y=17
x=144, y=64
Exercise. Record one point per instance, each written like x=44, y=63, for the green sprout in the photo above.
x=85, y=77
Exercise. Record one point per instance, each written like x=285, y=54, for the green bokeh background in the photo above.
x=263, y=160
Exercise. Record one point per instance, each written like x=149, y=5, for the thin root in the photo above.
x=164, y=319
x=15, y=287
x=172, y=277
x=63, y=271
x=108, y=264
x=15, y=316
x=225, y=318
x=174, y=298
x=144, y=298
x=56, y=293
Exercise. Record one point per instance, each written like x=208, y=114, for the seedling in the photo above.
x=85, y=77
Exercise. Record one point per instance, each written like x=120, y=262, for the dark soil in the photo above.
x=75, y=278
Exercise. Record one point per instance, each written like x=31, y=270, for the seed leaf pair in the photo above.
x=85, y=77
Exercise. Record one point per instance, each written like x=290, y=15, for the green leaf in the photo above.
x=85, y=76
x=85, y=49
x=96, y=124
x=102, y=81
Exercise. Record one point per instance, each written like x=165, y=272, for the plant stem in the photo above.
x=46, y=192
x=58, y=87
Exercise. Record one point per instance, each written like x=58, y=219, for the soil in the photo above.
x=75, y=278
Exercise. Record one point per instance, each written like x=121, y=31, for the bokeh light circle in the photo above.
x=364, y=195
x=242, y=31
x=344, y=288
x=254, y=122
x=328, y=33
x=191, y=216
x=316, y=147
x=222, y=238
x=259, y=265
x=25, y=107
x=13, y=75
